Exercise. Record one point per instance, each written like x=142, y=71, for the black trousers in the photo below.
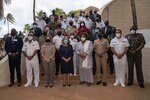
x=14, y=63
x=110, y=60
x=94, y=63
x=57, y=61
x=137, y=60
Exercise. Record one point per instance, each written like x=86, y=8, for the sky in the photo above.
x=22, y=10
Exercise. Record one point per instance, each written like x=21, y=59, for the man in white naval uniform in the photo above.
x=119, y=46
x=30, y=49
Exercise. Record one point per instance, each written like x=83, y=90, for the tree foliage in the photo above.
x=58, y=11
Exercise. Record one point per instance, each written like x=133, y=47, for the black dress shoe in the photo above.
x=129, y=84
x=42, y=74
x=82, y=82
x=104, y=84
x=11, y=84
x=69, y=84
x=141, y=85
x=111, y=72
x=88, y=84
x=51, y=85
x=46, y=86
x=56, y=74
x=98, y=82
x=19, y=84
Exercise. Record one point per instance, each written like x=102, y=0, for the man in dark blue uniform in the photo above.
x=13, y=47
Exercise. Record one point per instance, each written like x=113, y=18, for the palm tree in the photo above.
x=2, y=7
x=39, y=14
x=27, y=28
x=134, y=14
x=9, y=19
x=34, y=17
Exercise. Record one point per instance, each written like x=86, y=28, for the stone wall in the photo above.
x=118, y=12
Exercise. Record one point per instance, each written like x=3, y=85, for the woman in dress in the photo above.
x=66, y=54
x=84, y=50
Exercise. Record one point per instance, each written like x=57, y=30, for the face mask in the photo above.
x=118, y=35
x=66, y=41
x=96, y=30
x=47, y=28
x=83, y=38
x=132, y=31
x=82, y=24
x=47, y=40
x=52, y=19
x=30, y=38
x=71, y=36
x=34, y=26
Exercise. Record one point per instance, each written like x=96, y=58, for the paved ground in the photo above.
x=81, y=92
x=75, y=92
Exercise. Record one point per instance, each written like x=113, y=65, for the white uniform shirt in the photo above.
x=30, y=48
x=88, y=23
x=119, y=46
x=64, y=24
x=73, y=42
x=41, y=24
x=100, y=25
x=57, y=40
x=81, y=18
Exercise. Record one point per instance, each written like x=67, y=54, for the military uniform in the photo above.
x=48, y=50
x=135, y=42
x=30, y=48
x=71, y=30
x=100, y=47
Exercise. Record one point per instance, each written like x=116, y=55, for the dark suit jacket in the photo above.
x=37, y=32
x=108, y=31
x=11, y=47
x=92, y=36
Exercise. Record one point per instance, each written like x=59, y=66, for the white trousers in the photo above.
x=120, y=71
x=32, y=66
x=75, y=63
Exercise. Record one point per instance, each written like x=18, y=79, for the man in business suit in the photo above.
x=107, y=29
x=13, y=47
x=37, y=31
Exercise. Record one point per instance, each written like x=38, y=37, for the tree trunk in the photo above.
x=34, y=11
x=8, y=26
x=1, y=9
x=134, y=14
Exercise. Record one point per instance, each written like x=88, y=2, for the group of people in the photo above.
x=68, y=45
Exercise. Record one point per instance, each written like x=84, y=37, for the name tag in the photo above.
x=15, y=40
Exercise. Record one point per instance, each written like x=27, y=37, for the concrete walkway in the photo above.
x=82, y=92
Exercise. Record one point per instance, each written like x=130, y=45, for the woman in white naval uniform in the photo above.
x=84, y=51
x=119, y=46
x=30, y=49
x=73, y=42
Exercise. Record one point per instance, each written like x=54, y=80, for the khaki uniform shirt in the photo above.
x=71, y=30
x=100, y=46
x=48, y=49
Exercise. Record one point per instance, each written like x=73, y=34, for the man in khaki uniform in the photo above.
x=71, y=29
x=101, y=47
x=41, y=42
x=134, y=56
